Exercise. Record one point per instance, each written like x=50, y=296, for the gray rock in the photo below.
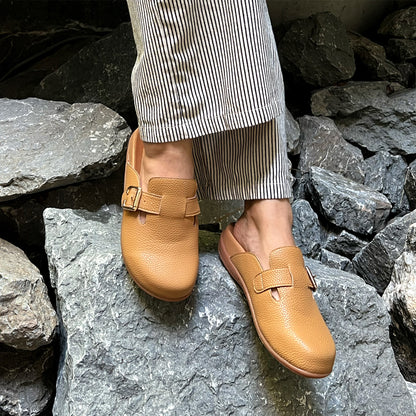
x=412, y=390
x=400, y=24
x=26, y=381
x=371, y=61
x=410, y=184
x=346, y=203
x=27, y=318
x=322, y=145
x=386, y=173
x=100, y=73
x=400, y=296
x=317, y=50
x=46, y=144
x=345, y=244
x=401, y=50
x=336, y=261
x=202, y=355
x=292, y=134
x=384, y=125
x=220, y=213
x=306, y=228
x=375, y=261
x=344, y=100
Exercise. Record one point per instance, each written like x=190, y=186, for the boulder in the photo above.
x=202, y=355
x=401, y=50
x=99, y=73
x=400, y=296
x=371, y=61
x=375, y=261
x=27, y=318
x=335, y=261
x=347, y=204
x=47, y=144
x=322, y=145
x=400, y=24
x=317, y=50
x=306, y=228
x=344, y=243
x=292, y=133
x=386, y=173
x=344, y=100
x=26, y=381
x=410, y=184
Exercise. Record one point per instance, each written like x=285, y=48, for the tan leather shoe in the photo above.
x=291, y=328
x=161, y=254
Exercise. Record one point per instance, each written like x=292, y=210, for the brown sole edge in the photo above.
x=234, y=273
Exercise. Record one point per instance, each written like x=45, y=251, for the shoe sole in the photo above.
x=235, y=274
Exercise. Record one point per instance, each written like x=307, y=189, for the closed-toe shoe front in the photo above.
x=288, y=321
x=159, y=232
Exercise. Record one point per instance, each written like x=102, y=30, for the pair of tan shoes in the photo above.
x=159, y=241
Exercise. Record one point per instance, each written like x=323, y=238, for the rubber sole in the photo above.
x=235, y=274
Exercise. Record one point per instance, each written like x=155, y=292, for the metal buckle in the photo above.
x=134, y=198
x=312, y=278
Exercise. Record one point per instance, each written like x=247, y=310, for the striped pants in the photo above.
x=209, y=70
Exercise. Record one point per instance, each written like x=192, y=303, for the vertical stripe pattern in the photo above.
x=209, y=70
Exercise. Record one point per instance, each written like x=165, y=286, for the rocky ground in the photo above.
x=77, y=337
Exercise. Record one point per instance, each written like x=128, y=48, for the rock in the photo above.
x=27, y=318
x=376, y=260
x=317, y=50
x=306, y=228
x=401, y=50
x=400, y=24
x=26, y=381
x=202, y=355
x=386, y=173
x=371, y=61
x=344, y=100
x=400, y=296
x=220, y=213
x=100, y=73
x=384, y=125
x=335, y=261
x=208, y=241
x=345, y=244
x=346, y=203
x=409, y=73
x=410, y=184
x=46, y=144
x=412, y=390
x=292, y=134
x=322, y=145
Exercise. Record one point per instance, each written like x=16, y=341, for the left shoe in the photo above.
x=290, y=327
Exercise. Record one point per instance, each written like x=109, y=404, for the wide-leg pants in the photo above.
x=209, y=70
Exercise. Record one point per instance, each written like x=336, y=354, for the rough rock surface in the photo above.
x=317, y=50
x=335, y=260
x=344, y=100
x=26, y=381
x=384, y=125
x=322, y=145
x=220, y=213
x=410, y=184
x=46, y=144
x=400, y=297
x=375, y=261
x=292, y=133
x=346, y=203
x=27, y=318
x=371, y=61
x=400, y=24
x=386, y=173
x=401, y=50
x=345, y=244
x=128, y=353
x=306, y=228
x=99, y=73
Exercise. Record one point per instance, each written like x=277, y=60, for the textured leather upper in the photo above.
x=292, y=325
x=160, y=254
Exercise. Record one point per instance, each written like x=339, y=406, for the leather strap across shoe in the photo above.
x=288, y=321
x=159, y=246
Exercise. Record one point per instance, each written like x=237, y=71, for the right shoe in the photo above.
x=289, y=322
x=160, y=245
